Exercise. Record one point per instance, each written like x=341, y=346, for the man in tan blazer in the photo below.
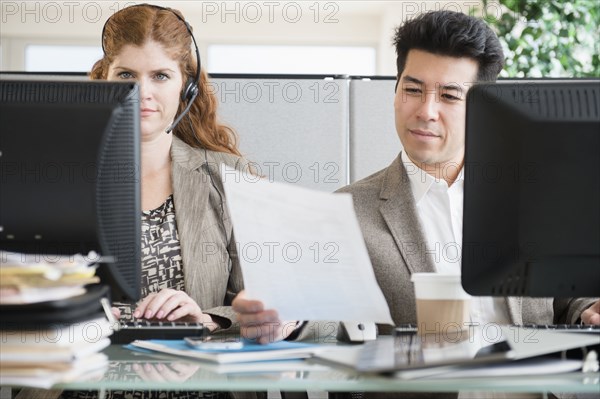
x=414, y=206
x=411, y=211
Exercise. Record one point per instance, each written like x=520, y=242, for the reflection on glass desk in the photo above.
x=134, y=371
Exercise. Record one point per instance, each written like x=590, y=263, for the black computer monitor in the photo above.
x=69, y=173
x=531, y=223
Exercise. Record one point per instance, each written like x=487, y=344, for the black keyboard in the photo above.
x=129, y=332
x=574, y=328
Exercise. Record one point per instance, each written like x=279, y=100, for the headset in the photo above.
x=190, y=89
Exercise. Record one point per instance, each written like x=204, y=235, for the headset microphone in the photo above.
x=183, y=113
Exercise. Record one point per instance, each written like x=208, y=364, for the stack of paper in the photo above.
x=44, y=357
x=31, y=278
x=51, y=329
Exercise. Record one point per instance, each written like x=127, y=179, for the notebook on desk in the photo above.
x=417, y=356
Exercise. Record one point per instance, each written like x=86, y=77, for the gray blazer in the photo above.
x=387, y=214
x=210, y=264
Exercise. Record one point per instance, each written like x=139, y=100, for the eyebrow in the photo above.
x=411, y=79
x=154, y=71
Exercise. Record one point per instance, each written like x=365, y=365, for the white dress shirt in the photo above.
x=440, y=210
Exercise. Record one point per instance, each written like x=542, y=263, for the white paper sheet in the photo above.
x=302, y=251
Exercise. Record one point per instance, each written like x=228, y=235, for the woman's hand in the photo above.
x=172, y=305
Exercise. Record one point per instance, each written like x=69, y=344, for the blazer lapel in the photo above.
x=400, y=214
x=190, y=196
x=514, y=305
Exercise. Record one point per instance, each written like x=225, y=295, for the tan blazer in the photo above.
x=211, y=268
x=387, y=214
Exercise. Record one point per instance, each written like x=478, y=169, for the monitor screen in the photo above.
x=531, y=222
x=69, y=172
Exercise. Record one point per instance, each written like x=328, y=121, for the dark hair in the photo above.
x=135, y=25
x=453, y=34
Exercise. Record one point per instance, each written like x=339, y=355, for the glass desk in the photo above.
x=133, y=371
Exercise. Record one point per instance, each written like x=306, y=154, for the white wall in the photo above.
x=343, y=23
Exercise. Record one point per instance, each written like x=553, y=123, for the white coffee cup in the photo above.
x=443, y=306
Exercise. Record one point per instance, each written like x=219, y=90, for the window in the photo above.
x=57, y=58
x=291, y=59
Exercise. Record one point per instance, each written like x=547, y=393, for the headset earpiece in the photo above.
x=190, y=90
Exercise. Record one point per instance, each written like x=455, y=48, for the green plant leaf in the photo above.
x=558, y=39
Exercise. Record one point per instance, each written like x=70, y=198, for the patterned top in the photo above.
x=162, y=267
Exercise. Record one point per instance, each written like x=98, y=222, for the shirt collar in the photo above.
x=421, y=181
x=460, y=177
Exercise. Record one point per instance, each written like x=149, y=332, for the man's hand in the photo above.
x=172, y=305
x=116, y=312
x=259, y=324
x=592, y=314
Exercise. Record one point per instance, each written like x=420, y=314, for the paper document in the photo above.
x=302, y=251
x=535, y=366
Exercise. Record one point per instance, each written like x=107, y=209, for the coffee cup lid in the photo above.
x=438, y=286
x=436, y=277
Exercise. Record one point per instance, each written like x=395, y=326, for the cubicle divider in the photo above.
x=374, y=143
x=294, y=129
